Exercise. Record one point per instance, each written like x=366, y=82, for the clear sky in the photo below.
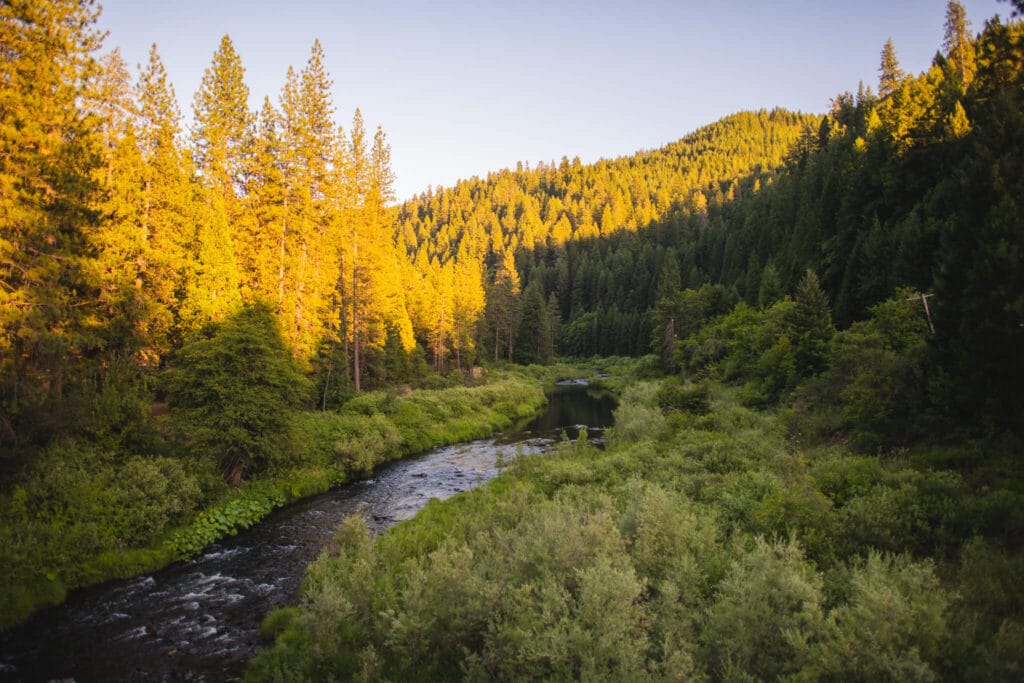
x=463, y=88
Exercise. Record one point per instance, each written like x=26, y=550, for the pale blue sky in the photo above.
x=463, y=88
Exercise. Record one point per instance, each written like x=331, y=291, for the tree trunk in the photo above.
x=281, y=254
x=355, y=316
x=327, y=380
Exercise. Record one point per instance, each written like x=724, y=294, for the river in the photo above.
x=199, y=620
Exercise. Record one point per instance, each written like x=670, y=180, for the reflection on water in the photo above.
x=571, y=406
x=199, y=620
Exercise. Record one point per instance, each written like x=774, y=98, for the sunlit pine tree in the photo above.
x=167, y=199
x=221, y=145
x=308, y=255
x=440, y=312
x=48, y=155
x=890, y=75
x=959, y=44
x=469, y=300
x=261, y=236
x=372, y=280
x=120, y=239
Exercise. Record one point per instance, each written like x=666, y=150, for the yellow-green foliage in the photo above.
x=692, y=547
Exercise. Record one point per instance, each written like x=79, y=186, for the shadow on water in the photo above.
x=199, y=620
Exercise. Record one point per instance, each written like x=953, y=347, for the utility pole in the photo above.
x=927, y=312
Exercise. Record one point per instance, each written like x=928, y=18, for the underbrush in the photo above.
x=702, y=543
x=87, y=515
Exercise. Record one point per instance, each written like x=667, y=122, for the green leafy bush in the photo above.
x=252, y=504
x=674, y=394
x=891, y=627
x=768, y=604
x=232, y=391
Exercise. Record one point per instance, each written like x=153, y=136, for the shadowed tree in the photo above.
x=232, y=390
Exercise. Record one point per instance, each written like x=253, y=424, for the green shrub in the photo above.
x=231, y=391
x=917, y=512
x=250, y=505
x=768, y=604
x=891, y=627
x=674, y=394
x=798, y=509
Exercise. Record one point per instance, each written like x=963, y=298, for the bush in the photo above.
x=251, y=504
x=637, y=416
x=232, y=390
x=674, y=394
x=891, y=627
x=766, y=607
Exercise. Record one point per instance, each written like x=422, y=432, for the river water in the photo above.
x=199, y=620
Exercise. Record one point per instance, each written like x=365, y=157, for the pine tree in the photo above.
x=212, y=290
x=441, y=313
x=533, y=332
x=957, y=123
x=812, y=326
x=119, y=238
x=48, y=155
x=233, y=389
x=468, y=303
x=222, y=135
x=222, y=144
x=666, y=314
x=308, y=230
x=262, y=241
x=549, y=342
x=502, y=301
x=167, y=201
x=890, y=74
x=356, y=188
x=958, y=43
x=770, y=289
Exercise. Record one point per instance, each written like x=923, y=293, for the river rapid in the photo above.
x=199, y=620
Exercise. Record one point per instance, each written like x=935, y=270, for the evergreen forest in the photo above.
x=813, y=323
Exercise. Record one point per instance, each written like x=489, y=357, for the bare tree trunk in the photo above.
x=341, y=293
x=439, y=344
x=497, y=330
x=458, y=347
x=355, y=316
x=327, y=380
x=510, y=335
x=280, y=255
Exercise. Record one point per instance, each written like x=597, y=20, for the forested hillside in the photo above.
x=125, y=234
x=584, y=280
x=914, y=185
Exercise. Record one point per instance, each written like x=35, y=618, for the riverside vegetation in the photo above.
x=145, y=496
x=713, y=538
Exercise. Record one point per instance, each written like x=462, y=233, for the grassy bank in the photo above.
x=90, y=514
x=705, y=542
